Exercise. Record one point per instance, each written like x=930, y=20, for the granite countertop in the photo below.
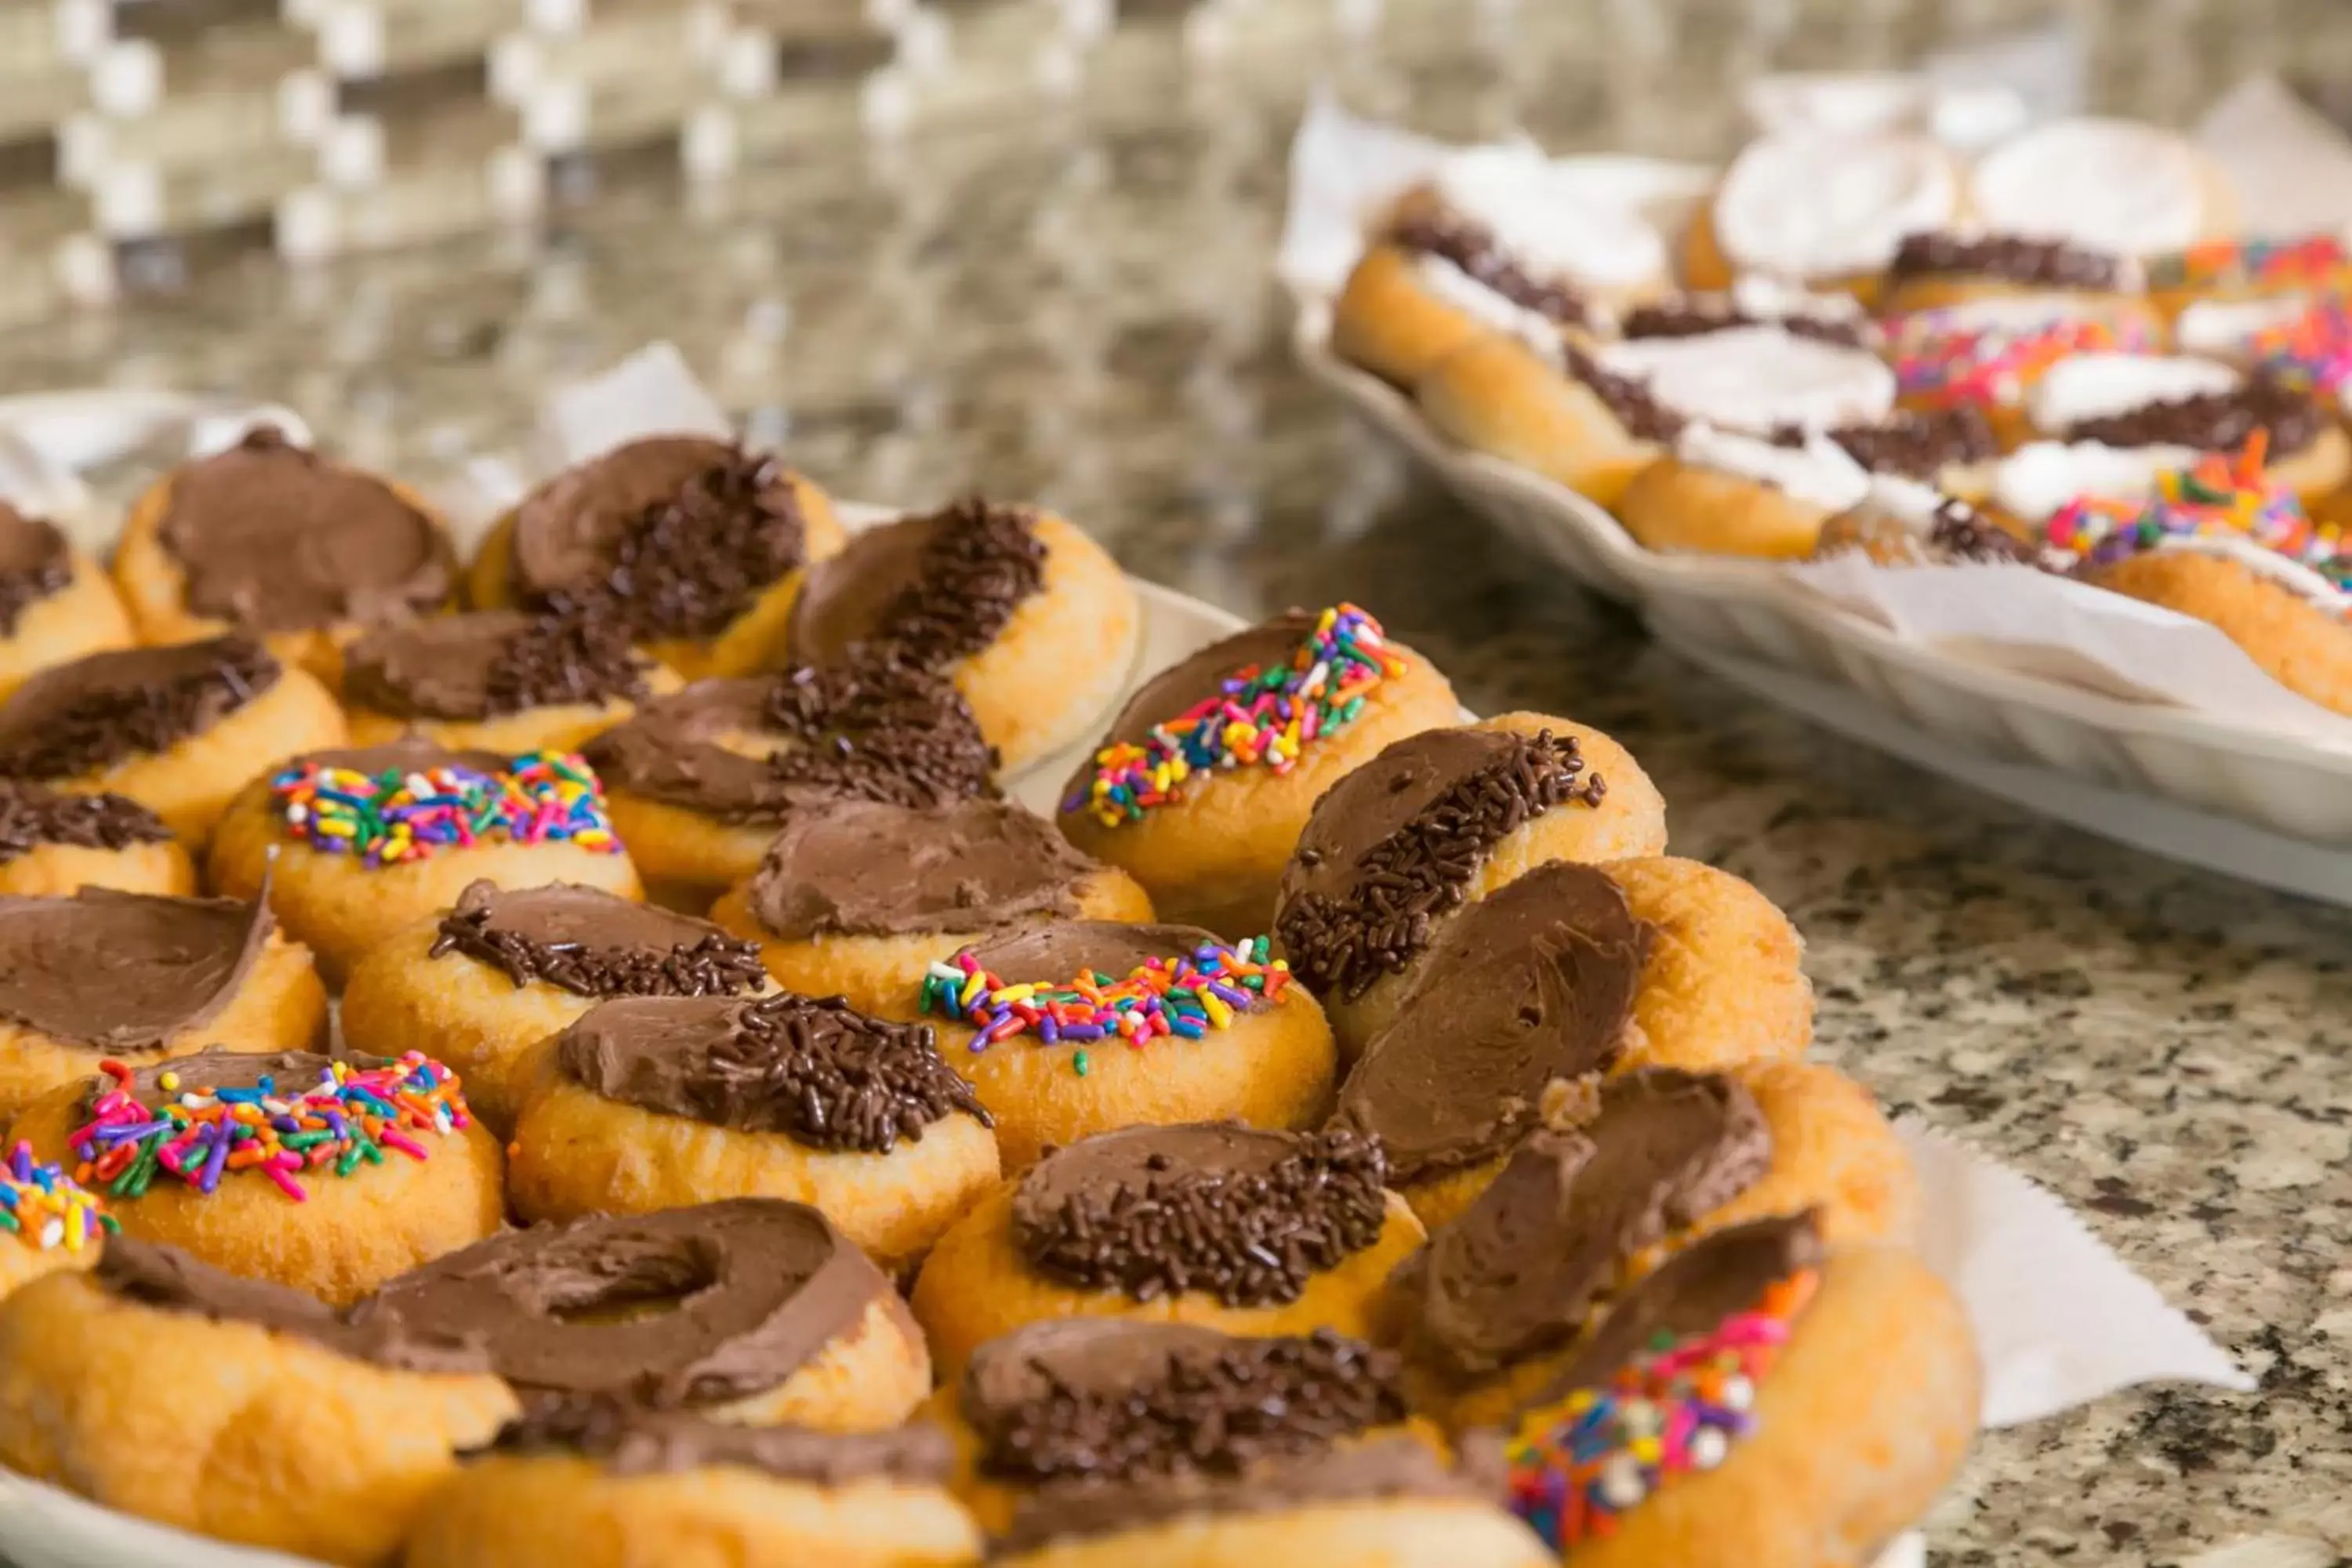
x=1077, y=310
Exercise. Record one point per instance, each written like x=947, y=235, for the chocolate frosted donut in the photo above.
x=589, y=943
x=2290, y=420
x=935, y=589
x=35, y=563
x=628, y=1439
x=491, y=664
x=1050, y=954
x=32, y=816
x=124, y=972
x=1471, y=249
x=82, y=718
x=864, y=869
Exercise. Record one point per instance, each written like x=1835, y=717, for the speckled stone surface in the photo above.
x=1078, y=311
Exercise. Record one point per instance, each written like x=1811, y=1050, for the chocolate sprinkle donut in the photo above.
x=85, y=716
x=878, y=729
x=1473, y=251
x=2010, y=258
x=1628, y=398
x=2215, y=421
x=925, y=591
x=591, y=943
x=1917, y=446
x=1692, y=318
x=31, y=816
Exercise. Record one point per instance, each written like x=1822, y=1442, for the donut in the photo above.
x=1614, y=1185
x=271, y=538
x=753, y=1311
x=1722, y=980
x=1759, y=1400
x=1722, y=493
x=1241, y=1229
x=1903, y=522
x=237, y=1409
x=1203, y=807
x=495, y=680
x=143, y=978
x=2113, y=186
x=1758, y=377
x=698, y=782
x=2204, y=406
x=2285, y=617
x=1028, y=618
x=1946, y=266
x=600, y=1483
x=52, y=1221
x=1085, y=1026
x=365, y=841
x=653, y=1102
x=323, y=1176
x=2044, y=488
x=2232, y=271
x=1826, y=208
x=1086, y=1443
x=1988, y=352
x=176, y=728
x=57, y=605
x=697, y=549
x=480, y=983
x=860, y=899
x=1437, y=821
x=1556, y=411
x=54, y=842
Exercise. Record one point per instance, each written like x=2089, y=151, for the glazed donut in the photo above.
x=699, y=781
x=1560, y=414
x=1240, y=1229
x=753, y=1311
x=599, y=1483
x=859, y=898
x=52, y=1221
x=649, y=1103
x=1438, y=821
x=2145, y=400
x=176, y=728
x=1616, y=1183
x=1028, y=618
x=324, y=1177
x=1810, y=1408
x=2286, y=616
x=274, y=540
x=1084, y=1026
x=143, y=978
x=495, y=680
x=2113, y=186
x=479, y=984
x=290, y=1429
x=53, y=842
x=695, y=548
x=1204, y=809
x=56, y=603
x=1822, y=207
x=1086, y=1443
x=1942, y=267
x=367, y=841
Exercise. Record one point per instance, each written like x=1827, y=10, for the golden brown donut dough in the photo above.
x=508, y=1510
x=1386, y=322
x=1673, y=506
x=56, y=870
x=868, y=1379
x=82, y=617
x=561, y=727
x=1724, y=981
x=228, y=1429
x=1497, y=396
x=2298, y=643
x=1400, y=1532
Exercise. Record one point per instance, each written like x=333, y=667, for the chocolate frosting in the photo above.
x=2010, y=258
x=410, y=753
x=1245, y=1214
x=870, y=730
x=1395, y=844
x=1472, y=250
x=1057, y=952
x=101, y=710
x=2215, y=421
x=489, y=664
x=1531, y=986
x=35, y=562
x=32, y=816
x=864, y=869
x=276, y=539
x=742, y=1294
x=935, y=589
x=1519, y=1270
x=1645, y=418
x=217, y=1068
x=819, y=1071
x=166, y=1277
x=593, y=943
x=629, y=1440
x=1695, y=318
x=124, y=972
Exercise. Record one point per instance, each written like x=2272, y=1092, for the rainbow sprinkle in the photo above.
x=1185, y=997
x=1262, y=716
x=1945, y=360
x=2312, y=352
x=1674, y=1410
x=2258, y=263
x=386, y=818
x=46, y=1208
x=351, y=1116
x=2219, y=496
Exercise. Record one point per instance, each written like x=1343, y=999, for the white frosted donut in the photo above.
x=2101, y=385
x=1818, y=473
x=1758, y=377
x=2226, y=328
x=1457, y=288
x=2110, y=184
x=2033, y=483
x=1548, y=219
x=1812, y=203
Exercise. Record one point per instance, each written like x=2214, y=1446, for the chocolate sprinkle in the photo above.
x=102, y=724
x=1644, y=417
x=1960, y=532
x=31, y=817
x=879, y=729
x=49, y=571
x=1691, y=318
x=1204, y=1415
x=1473, y=251
x=1343, y=946
x=2215, y=421
x=562, y=659
x=1917, y=445
x=981, y=562
x=2012, y=258
x=715, y=965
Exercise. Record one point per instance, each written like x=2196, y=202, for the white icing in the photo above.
x=1549, y=220
x=1482, y=304
x=2098, y=385
x=1819, y=204
x=2111, y=184
x=2287, y=573
x=2040, y=477
x=1819, y=472
x=1754, y=378
x=1911, y=502
x=1773, y=300
x=2226, y=328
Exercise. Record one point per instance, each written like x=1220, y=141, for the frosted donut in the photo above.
x=274, y=540
x=1755, y=301
x=695, y=549
x=140, y=978
x=2288, y=619
x=53, y=843
x=349, y=876
x=656, y=1102
x=1942, y=267
x=753, y=1312
x=1561, y=413
x=1721, y=493
x=1758, y=378
x=2130, y=400
x=290, y=1430
x=1173, y=1224
x=1821, y=208
x=598, y=1483
x=497, y=681
x=56, y=603
x=860, y=899
x=176, y=728
x=2036, y=482
x=2113, y=186
x=1435, y=822
x=1208, y=844
x=1987, y=352
x=2254, y=271
x=1030, y=618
